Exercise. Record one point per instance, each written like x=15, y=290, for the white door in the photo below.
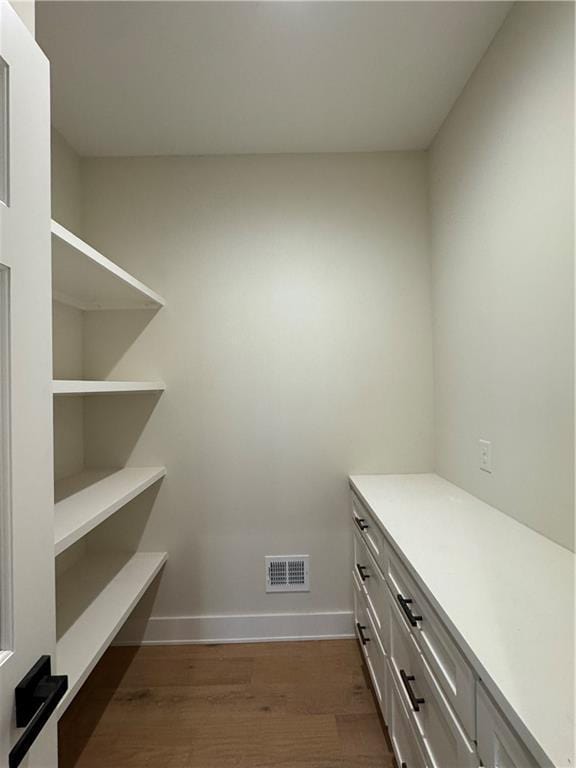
x=27, y=614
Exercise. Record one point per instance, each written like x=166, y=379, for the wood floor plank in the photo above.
x=257, y=740
x=287, y=705
x=348, y=698
x=142, y=673
x=362, y=735
x=182, y=703
x=359, y=761
x=99, y=754
x=305, y=671
x=311, y=648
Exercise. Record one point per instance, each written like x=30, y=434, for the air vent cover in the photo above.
x=287, y=573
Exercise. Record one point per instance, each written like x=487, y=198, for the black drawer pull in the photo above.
x=404, y=765
x=361, y=569
x=405, y=603
x=414, y=700
x=37, y=696
x=361, y=523
x=363, y=638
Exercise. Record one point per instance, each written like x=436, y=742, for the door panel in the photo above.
x=26, y=465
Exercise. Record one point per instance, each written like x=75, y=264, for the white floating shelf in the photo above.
x=94, y=599
x=84, y=278
x=85, y=500
x=80, y=387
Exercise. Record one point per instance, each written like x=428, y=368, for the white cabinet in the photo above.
x=437, y=712
x=404, y=741
x=369, y=531
x=374, y=587
x=443, y=739
x=451, y=670
x=497, y=745
x=371, y=644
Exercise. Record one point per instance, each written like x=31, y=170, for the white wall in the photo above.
x=66, y=183
x=502, y=206
x=296, y=348
x=67, y=322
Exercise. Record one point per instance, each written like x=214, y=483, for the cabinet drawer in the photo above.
x=375, y=588
x=445, y=742
x=452, y=672
x=377, y=665
x=359, y=600
x=498, y=746
x=371, y=644
x=360, y=613
x=404, y=740
x=369, y=531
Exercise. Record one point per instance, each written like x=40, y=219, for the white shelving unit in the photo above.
x=85, y=500
x=84, y=278
x=83, y=387
x=95, y=597
x=96, y=589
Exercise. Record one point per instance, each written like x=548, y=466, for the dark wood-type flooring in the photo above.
x=287, y=705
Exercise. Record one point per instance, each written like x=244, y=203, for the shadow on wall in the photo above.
x=108, y=337
x=121, y=535
x=141, y=615
x=125, y=532
x=113, y=425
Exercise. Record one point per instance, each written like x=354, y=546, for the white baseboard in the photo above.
x=269, y=627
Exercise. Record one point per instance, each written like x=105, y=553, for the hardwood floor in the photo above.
x=287, y=705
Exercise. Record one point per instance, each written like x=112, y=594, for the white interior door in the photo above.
x=27, y=613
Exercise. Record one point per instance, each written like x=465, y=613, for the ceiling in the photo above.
x=189, y=78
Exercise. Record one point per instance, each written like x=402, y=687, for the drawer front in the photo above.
x=445, y=742
x=375, y=588
x=498, y=746
x=452, y=672
x=377, y=665
x=359, y=602
x=404, y=741
x=360, y=614
x=369, y=531
x=371, y=645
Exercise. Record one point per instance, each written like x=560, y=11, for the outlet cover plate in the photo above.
x=485, y=455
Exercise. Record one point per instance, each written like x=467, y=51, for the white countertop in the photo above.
x=505, y=592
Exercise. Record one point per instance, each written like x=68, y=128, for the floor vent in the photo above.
x=287, y=573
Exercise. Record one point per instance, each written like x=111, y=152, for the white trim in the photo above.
x=85, y=387
x=87, y=499
x=6, y=554
x=90, y=257
x=268, y=627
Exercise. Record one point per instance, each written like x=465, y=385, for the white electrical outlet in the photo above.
x=485, y=455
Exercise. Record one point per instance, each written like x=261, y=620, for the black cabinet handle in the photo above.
x=404, y=765
x=361, y=523
x=37, y=695
x=361, y=569
x=363, y=638
x=414, y=700
x=405, y=603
